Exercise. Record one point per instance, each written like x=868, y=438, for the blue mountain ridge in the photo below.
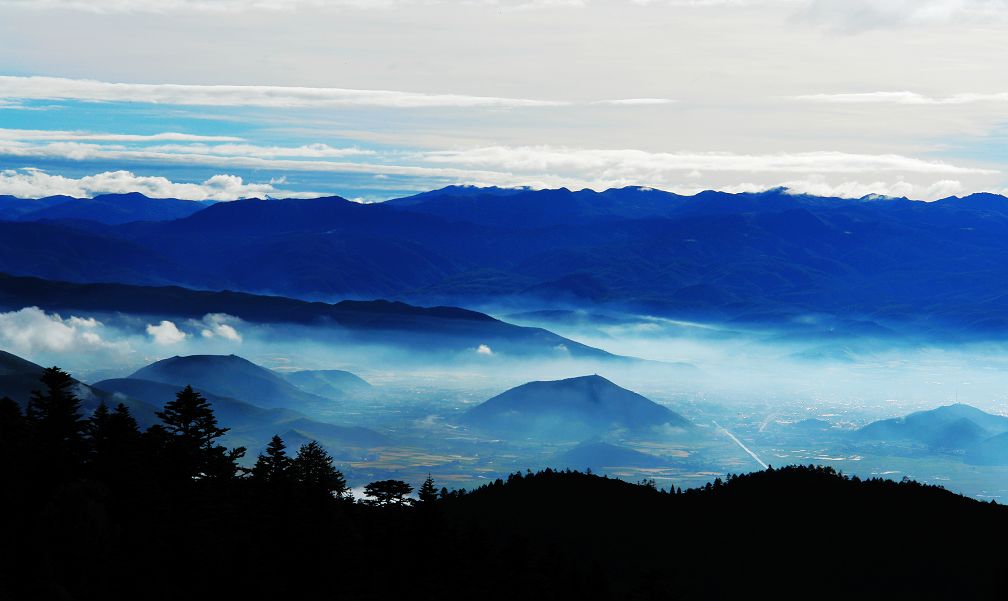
x=756, y=257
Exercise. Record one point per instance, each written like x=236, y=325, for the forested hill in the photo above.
x=93, y=508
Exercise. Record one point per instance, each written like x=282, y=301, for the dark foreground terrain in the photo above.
x=93, y=508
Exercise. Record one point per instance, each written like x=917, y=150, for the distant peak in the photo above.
x=123, y=195
x=205, y=358
x=590, y=379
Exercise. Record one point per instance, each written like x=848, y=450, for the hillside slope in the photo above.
x=575, y=408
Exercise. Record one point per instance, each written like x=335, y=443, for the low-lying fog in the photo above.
x=708, y=362
x=725, y=379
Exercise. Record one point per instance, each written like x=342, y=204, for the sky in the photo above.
x=376, y=99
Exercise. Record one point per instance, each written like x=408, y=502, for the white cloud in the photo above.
x=32, y=330
x=266, y=152
x=861, y=15
x=908, y=98
x=636, y=101
x=44, y=134
x=17, y=88
x=57, y=88
x=819, y=186
x=533, y=166
x=212, y=325
x=484, y=350
x=215, y=326
x=166, y=333
x=538, y=166
x=34, y=183
x=639, y=165
x=238, y=6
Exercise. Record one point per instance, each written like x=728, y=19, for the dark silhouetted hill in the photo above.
x=150, y=504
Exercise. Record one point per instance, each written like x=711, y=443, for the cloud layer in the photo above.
x=240, y=6
x=823, y=172
x=378, y=98
x=905, y=97
x=638, y=164
x=862, y=15
x=31, y=330
x=33, y=183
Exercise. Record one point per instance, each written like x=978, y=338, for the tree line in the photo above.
x=52, y=437
x=95, y=508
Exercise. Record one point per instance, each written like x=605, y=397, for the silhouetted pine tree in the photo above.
x=55, y=423
x=12, y=443
x=313, y=469
x=191, y=416
x=115, y=444
x=388, y=492
x=192, y=433
x=96, y=428
x=428, y=492
x=273, y=468
x=12, y=422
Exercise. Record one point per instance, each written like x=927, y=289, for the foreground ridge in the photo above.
x=95, y=508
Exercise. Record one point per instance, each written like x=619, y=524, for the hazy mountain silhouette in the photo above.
x=376, y=322
x=230, y=376
x=950, y=427
x=991, y=451
x=601, y=455
x=104, y=208
x=574, y=408
x=60, y=251
x=329, y=383
x=251, y=425
x=809, y=426
x=19, y=377
x=527, y=208
x=12, y=207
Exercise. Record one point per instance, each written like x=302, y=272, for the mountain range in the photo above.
x=752, y=257
x=104, y=208
x=440, y=328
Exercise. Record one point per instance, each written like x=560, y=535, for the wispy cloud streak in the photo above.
x=58, y=88
x=905, y=97
x=17, y=88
